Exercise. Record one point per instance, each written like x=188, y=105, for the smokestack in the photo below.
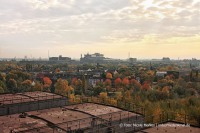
x=48, y=54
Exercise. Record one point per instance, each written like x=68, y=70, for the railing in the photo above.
x=26, y=98
x=173, y=117
x=152, y=119
x=110, y=102
x=102, y=125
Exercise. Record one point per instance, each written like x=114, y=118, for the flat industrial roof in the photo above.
x=15, y=123
x=102, y=111
x=72, y=117
x=58, y=115
x=26, y=97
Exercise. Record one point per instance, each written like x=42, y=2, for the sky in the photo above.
x=146, y=29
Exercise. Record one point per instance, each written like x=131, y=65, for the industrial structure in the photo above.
x=42, y=112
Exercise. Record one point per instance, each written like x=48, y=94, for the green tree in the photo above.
x=37, y=87
x=12, y=86
x=1, y=90
x=3, y=87
x=25, y=86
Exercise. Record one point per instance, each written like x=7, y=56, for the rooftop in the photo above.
x=17, y=124
x=26, y=97
x=74, y=117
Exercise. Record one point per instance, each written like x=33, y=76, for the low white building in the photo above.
x=161, y=73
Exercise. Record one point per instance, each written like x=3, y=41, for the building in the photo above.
x=92, y=58
x=132, y=60
x=29, y=101
x=161, y=74
x=166, y=59
x=194, y=63
x=79, y=118
x=59, y=58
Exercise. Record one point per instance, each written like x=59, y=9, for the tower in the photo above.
x=48, y=54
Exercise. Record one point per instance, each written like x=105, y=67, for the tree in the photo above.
x=11, y=75
x=127, y=96
x=62, y=87
x=107, y=82
x=37, y=87
x=47, y=81
x=118, y=95
x=135, y=84
x=1, y=90
x=57, y=70
x=146, y=86
x=2, y=77
x=108, y=75
x=166, y=89
x=26, y=85
x=116, y=74
x=156, y=114
x=125, y=71
x=162, y=83
x=103, y=96
x=78, y=86
x=84, y=83
x=125, y=82
x=18, y=75
x=150, y=72
x=12, y=86
x=74, y=81
x=71, y=98
x=118, y=82
x=47, y=84
x=3, y=87
x=113, y=102
x=97, y=90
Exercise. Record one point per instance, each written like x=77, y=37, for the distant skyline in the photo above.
x=146, y=29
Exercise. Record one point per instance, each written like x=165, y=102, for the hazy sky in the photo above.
x=145, y=28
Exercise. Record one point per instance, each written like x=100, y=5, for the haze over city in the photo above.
x=143, y=28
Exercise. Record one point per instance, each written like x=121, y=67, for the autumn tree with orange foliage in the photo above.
x=107, y=82
x=108, y=75
x=146, y=86
x=71, y=98
x=62, y=87
x=74, y=81
x=166, y=89
x=57, y=70
x=137, y=86
x=47, y=81
x=125, y=82
x=157, y=114
x=118, y=82
x=47, y=84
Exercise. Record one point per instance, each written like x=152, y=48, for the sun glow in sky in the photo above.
x=143, y=28
x=148, y=3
